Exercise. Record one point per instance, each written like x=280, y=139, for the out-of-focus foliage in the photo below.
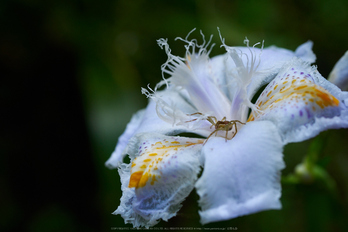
x=72, y=72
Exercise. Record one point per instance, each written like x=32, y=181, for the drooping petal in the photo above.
x=132, y=126
x=339, y=74
x=241, y=176
x=301, y=103
x=161, y=175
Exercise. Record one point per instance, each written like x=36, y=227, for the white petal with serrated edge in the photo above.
x=161, y=175
x=301, y=103
x=241, y=176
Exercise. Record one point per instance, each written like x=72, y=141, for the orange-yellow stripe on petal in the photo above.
x=145, y=168
x=294, y=91
x=134, y=179
x=144, y=178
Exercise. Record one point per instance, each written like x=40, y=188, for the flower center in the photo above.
x=220, y=125
x=223, y=125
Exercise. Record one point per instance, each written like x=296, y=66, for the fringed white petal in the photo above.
x=301, y=103
x=241, y=176
x=194, y=76
x=161, y=175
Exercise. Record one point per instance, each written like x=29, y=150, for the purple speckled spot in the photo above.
x=292, y=68
x=302, y=73
x=301, y=113
x=292, y=116
x=309, y=114
x=295, y=72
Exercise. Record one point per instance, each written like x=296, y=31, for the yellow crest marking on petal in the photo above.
x=135, y=178
x=299, y=88
x=143, y=179
x=146, y=168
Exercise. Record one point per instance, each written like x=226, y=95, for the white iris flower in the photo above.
x=241, y=155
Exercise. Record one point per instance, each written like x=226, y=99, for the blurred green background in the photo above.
x=71, y=78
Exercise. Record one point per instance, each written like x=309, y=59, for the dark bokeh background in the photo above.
x=71, y=76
